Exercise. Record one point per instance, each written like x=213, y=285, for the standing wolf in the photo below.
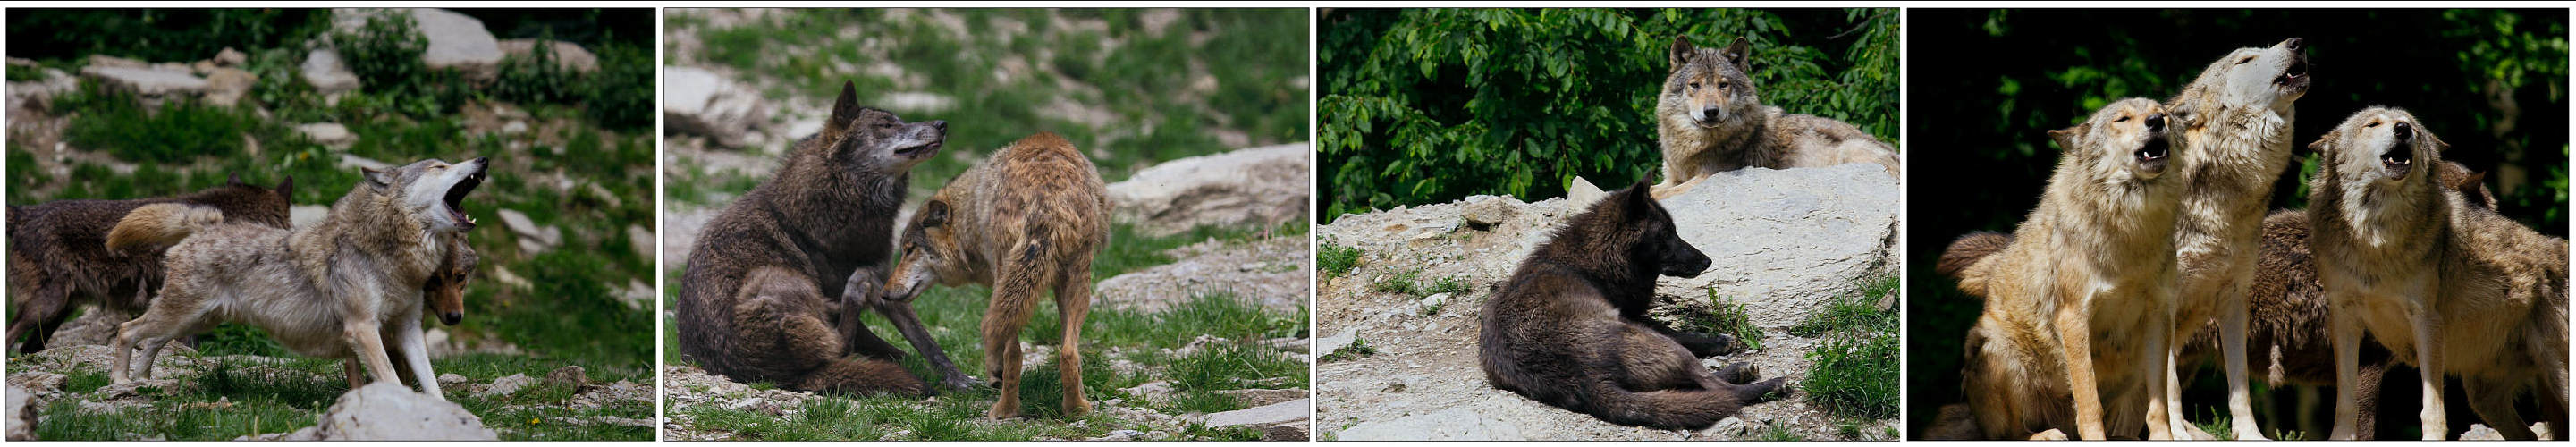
x=58, y=258
x=1711, y=119
x=2450, y=287
x=2094, y=262
x=1557, y=332
x=1025, y=221
x=753, y=304
x=2234, y=130
x=329, y=290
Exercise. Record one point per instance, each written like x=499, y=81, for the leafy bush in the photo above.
x=115, y=121
x=1424, y=106
x=620, y=95
x=160, y=35
x=536, y=77
x=1337, y=260
x=385, y=55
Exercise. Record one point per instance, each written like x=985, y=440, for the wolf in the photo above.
x=753, y=304
x=1557, y=331
x=1025, y=221
x=2450, y=287
x=2093, y=262
x=1709, y=118
x=58, y=259
x=346, y=288
x=2234, y=129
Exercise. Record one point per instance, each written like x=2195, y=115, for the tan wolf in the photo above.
x=2093, y=262
x=1561, y=331
x=2233, y=127
x=2450, y=287
x=1710, y=118
x=348, y=287
x=1026, y=221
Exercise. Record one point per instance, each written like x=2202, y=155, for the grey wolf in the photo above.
x=58, y=257
x=2094, y=262
x=1025, y=221
x=2233, y=125
x=753, y=304
x=1560, y=331
x=1710, y=118
x=348, y=287
x=2450, y=287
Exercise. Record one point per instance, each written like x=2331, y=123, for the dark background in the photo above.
x=1986, y=84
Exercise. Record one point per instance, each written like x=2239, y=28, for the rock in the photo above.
x=1454, y=424
x=39, y=94
x=452, y=379
x=230, y=57
x=642, y=239
x=353, y=161
x=568, y=55
x=1292, y=431
x=528, y=231
x=916, y=102
x=1264, y=416
x=1434, y=301
x=37, y=382
x=333, y=135
x=697, y=101
x=226, y=86
x=388, y=411
x=456, y=41
x=101, y=60
x=572, y=375
x=1789, y=240
x=514, y=128
x=1212, y=266
x=328, y=76
x=307, y=215
x=1582, y=193
x=1256, y=186
x=22, y=415
x=2481, y=432
x=1329, y=345
x=1261, y=397
x=202, y=67
x=506, y=385
x=1487, y=211
x=94, y=327
x=1120, y=435
x=145, y=81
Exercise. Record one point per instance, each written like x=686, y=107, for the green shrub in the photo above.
x=1729, y=318
x=157, y=34
x=385, y=55
x=1855, y=375
x=620, y=95
x=1432, y=105
x=536, y=77
x=1337, y=260
x=116, y=122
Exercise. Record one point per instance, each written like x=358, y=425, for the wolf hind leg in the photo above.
x=1073, y=303
x=1015, y=294
x=2492, y=399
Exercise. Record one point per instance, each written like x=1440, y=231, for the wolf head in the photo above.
x=1629, y=230
x=432, y=190
x=930, y=252
x=2380, y=147
x=1711, y=85
x=869, y=140
x=244, y=202
x=2270, y=77
x=445, y=290
x=2127, y=143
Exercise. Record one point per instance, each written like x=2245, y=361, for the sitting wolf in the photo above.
x=1710, y=119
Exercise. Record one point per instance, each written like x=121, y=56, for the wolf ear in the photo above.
x=1681, y=51
x=233, y=180
x=378, y=177
x=1636, y=198
x=2322, y=144
x=286, y=188
x=1740, y=54
x=844, y=110
x=2067, y=137
x=934, y=213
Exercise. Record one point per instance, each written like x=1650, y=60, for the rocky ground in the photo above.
x=1783, y=243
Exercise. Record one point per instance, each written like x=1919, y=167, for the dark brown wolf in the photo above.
x=755, y=303
x=58, y=256
x=1561, y=331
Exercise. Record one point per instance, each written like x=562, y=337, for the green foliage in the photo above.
x=536, y=77
x=385, y=55
x=1337, y=260
x=1729, y=318
x=115, y=121
x=620, y=94
x=1855, y=374
x=1358, y=348
x=1400, y=283
x=171, y=34
x=1424, y=106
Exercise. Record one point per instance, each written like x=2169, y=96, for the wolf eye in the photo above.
x=2246, y=60
x=1694, y=85
x=2123, y=119
x=2372, y=124
x=1725, y=84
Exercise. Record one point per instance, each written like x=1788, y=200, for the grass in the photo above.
x=1777, y=432
x=1729, y=317
x=1358, y=348
x=1855, y=374
x=229, y=399
x=1337, y=260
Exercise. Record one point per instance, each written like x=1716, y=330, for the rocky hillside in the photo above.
x=1401, y=304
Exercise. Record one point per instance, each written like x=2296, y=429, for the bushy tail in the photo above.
x=1678, y=409
x=160, y=225
x=1966, y=252
x=864, y=376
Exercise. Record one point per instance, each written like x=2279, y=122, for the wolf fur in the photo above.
x=1558, y=331
x=345, y=288
x=1710, y=118
x=753, y=305
x=58, y=260
x=2094, y=262
x=2234, y=133
x=2450, y=287
x=1025, y=221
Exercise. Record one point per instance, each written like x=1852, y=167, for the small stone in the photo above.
x=1434, y=301
x=226, y=86
x=1493, y=210
x=506, y=385
x=1266, y=415
x=230, y=57
x=330, y=134
x=568, y=375
x=22, y=415
x=323, y=70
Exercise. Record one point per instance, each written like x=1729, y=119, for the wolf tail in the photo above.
x=1679, y=409
x=864, y=376
x=1965, y=253
x=159, y=226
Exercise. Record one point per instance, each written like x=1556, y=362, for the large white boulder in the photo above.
x=1256, y=186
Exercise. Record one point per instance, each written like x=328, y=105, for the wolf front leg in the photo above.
x=2343, y=309
x=367, y=337
x=2074, y=335
x=2232, y=317
x=2161, y=423
x=2428, y=361
x=415, y=355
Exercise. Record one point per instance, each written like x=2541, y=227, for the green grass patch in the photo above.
x=1730, y=318
x=1855, y=371
x=1358, y=348
x=1401, y=283
x=115, y=122
x=1337, y=260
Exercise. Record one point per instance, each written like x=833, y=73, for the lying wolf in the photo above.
x=2450, y=287
x=2067, y=341
x=1710, y=118
x=58, y=259
x=1026, y=222
x=1559, y=331
x=348, y=287
x=753, y=304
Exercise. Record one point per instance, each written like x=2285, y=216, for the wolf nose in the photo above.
x=2293, y=43
x=1708, y=111
x=451, y=318
x=938, y=125
x=2156, y=122
x=2405, y=131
